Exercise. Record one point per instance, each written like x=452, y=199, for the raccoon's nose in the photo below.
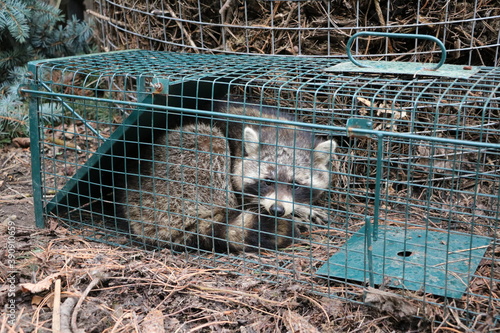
x=277, y=210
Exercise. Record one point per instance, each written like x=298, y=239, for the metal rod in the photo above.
x=318, y=127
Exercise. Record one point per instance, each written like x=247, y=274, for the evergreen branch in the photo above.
x=15, y=57
x=20, y=121
x=31, y=29
x=46, y=12
x=13, y=16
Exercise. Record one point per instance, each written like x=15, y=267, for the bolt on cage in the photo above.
x=413, y=184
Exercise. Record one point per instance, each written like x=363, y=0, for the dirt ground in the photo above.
x=15, y=185
x=54, y=281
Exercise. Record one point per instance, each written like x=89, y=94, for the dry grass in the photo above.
x=306, y=28
x=109, y=289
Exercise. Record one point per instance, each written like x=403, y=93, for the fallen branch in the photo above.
x=56, y=312
x=98, y=277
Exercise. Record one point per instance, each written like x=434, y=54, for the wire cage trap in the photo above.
x=413, y=183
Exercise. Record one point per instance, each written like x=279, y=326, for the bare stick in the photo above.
x=56, y=313
x=91, y=285
x=224, y=8
x=172, y=13
x=105, y=18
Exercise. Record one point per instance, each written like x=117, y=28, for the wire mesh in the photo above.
x=469, y=29
x=417, y=153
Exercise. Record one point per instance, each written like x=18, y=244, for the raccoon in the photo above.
x=183, y=195
x=278, y=170
x=241, y=193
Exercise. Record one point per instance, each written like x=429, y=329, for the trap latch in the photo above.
x=398, y=67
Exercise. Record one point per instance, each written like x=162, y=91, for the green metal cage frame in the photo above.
x=171, y=84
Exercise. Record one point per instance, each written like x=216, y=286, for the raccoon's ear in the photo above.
x=323, y=151
x=251, y=143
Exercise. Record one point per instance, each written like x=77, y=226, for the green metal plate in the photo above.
x=407, y=68
x=439, y=263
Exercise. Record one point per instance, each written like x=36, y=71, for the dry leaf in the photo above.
x=390, y=302
x=36, y=300
x=294, y=322
x=153, y=323
x=364, y=101
x=21, y=142
x=41, y=285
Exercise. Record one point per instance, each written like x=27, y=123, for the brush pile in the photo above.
x=470, y=30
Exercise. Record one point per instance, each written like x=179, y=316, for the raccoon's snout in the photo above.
x=277, y=210
x=279, y=207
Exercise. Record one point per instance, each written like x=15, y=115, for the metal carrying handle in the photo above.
x=395, y=35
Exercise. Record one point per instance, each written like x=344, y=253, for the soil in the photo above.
x=15, y=186
x=54, y=279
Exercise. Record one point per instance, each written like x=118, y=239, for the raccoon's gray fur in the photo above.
x=184, y=196
x=195, y=195
x=184, y=189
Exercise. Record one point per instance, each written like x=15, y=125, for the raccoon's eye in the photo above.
x=269, y=182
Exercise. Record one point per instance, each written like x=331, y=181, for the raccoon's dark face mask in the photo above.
x=277, y=178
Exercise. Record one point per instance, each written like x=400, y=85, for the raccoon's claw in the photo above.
x=319, y=217
x=316, y=216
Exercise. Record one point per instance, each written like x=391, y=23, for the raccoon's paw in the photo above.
x=270, y=233
x=256, y=240
x=314, y=215
x=319, y=216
